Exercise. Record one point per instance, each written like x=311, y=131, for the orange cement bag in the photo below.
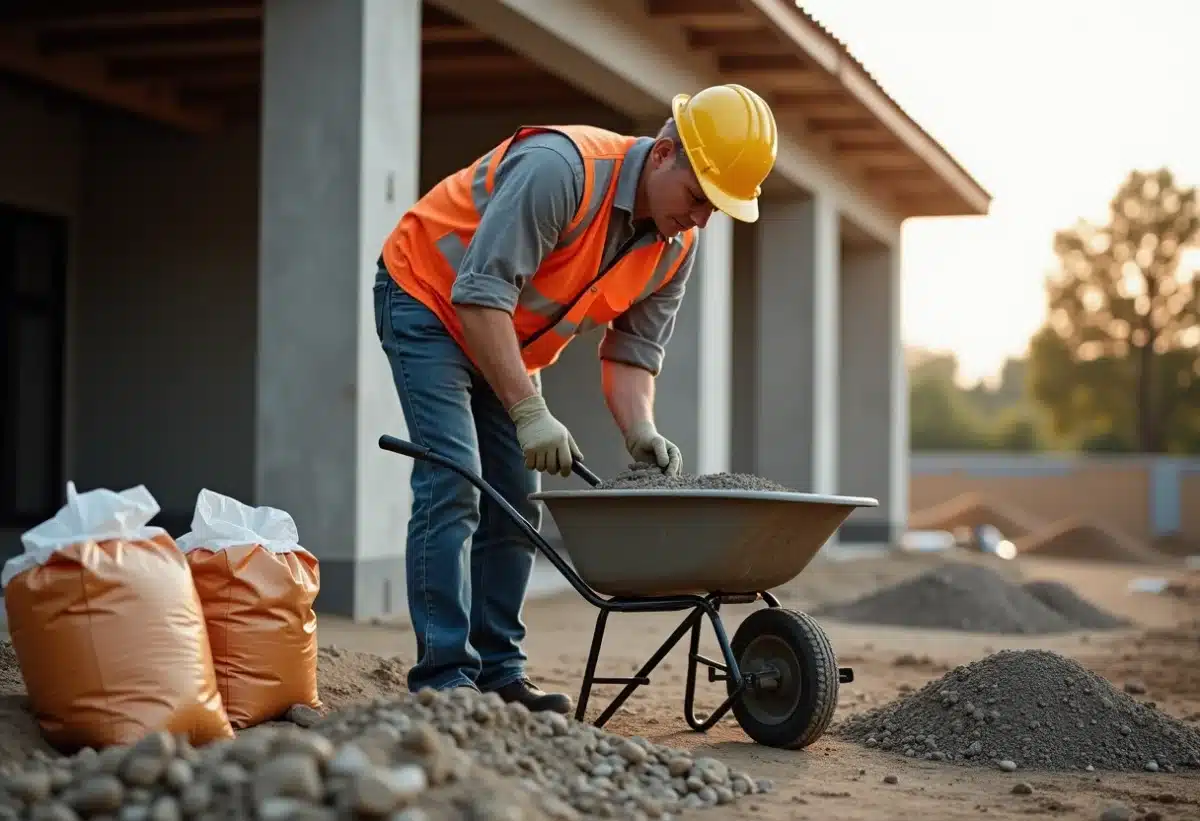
x=107, y=627
x=257, y=586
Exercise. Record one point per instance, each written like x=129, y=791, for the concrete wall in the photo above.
x=1148, y=498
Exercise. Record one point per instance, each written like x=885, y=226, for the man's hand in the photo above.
x=646, y=444
x=547, y=443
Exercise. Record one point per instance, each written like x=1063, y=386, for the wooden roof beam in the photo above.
x=85, y=76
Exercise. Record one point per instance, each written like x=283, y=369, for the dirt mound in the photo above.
x=450, y=755
x=1033, y=708
x=957, y=596
x=1077, y=538
x=1074, y=608
x=972, y=510
x=645, y=476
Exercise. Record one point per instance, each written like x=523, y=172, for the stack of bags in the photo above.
x=121, y=631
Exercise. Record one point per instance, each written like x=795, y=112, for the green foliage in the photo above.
x=1117, y=365
x=945, y=417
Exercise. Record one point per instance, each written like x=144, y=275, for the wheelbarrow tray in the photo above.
x=643, y=542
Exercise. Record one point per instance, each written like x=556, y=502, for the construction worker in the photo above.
x=555, y=231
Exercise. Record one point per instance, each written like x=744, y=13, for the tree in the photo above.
x=1117, y=360
x=940, y=415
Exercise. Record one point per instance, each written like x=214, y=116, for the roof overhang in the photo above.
x=196, y=65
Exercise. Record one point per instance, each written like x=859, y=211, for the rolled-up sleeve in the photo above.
x=639, y=336
x=538, y=188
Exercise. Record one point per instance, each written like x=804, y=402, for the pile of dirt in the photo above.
x=1074, y=608
x=957, y=596
x=973, y=510
x=1030, y=708
x=1077, y=538
x=430, y=756
x=645, y=476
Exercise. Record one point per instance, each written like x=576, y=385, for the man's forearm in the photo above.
x=492, y=343
x=629, y=394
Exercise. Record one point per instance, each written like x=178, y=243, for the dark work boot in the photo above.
x=529, y=694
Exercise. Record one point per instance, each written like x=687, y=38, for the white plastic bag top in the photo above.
x=97, y=515
x=221, y=522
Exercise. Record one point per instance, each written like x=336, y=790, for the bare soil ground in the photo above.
x=1159, y=658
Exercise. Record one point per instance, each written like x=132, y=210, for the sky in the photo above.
x=1048, y=104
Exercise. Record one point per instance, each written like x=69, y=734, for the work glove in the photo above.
x=646, y=444
x=546, y=442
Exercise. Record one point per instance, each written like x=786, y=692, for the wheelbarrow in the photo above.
x=668, y=550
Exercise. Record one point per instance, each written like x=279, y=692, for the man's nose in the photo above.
x=701, y=215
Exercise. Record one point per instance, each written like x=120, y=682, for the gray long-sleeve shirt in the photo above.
x=538, y=188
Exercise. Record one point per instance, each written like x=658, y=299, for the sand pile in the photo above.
x=1075, y=538
x=1079, y=611
x=1031, y=708
x=972, y=510
x=957, y=596
x=645, y=476
x=428, y=757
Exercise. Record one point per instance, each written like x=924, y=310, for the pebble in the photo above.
x=891, y=779
x=1116, y=813
x=1022, y=788
x=1007, y=765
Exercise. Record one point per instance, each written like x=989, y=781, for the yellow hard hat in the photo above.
x=728, y=133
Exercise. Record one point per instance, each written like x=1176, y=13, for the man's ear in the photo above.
x=662, y=152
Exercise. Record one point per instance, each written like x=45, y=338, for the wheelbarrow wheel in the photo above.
x=793, y=688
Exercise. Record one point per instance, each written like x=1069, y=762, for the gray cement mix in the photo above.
x=1032, y=708
x=647, y=477
x=958, y=596
x=1070, y=605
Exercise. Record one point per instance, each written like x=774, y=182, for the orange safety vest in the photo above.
x=568, y=294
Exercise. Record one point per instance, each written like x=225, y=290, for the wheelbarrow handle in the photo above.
x=415, y=451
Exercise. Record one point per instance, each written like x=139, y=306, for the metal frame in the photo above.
x=700, y=606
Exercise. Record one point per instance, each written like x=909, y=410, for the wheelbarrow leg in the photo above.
x=642, y=675
x=729, y=668
x=589, y=672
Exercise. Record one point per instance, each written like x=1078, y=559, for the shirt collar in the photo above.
x=627, y=181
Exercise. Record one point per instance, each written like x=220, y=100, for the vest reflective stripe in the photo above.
x=427, y=247
x=571, y=325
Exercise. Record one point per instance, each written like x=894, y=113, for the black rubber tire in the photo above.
x=810, y=716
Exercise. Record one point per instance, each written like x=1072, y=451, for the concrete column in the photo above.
x=874, y=395
x=796, y=355
x=340, y=152
x=693, y=401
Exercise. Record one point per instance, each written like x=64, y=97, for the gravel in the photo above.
x=424, y=757
x=958, y=596
x=646, y=476
x=1070, y=605
x=1033, y=708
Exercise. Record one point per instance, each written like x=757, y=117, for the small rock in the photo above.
x=178, y=774
x=140, y=770
x=1135, y=687
x=1007, y=766
x=52, y=811
x=891, y=779
x=30, y=786
x=1116, y=813
x=1023, y=788
x=98, y=794
x=303, y=716
x=165, y=808
x=291, y=775
x=1151, y=766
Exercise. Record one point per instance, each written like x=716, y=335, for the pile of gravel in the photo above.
x=1070, y=605
x=647, y=476
x=429, y=757
x=958, y=596
x=1031, y=709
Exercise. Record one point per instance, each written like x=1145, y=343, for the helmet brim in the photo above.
x=742, y=210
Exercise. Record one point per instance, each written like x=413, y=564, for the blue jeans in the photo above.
x=467, y=564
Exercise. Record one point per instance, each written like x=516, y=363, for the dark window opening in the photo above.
x=33, y=262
